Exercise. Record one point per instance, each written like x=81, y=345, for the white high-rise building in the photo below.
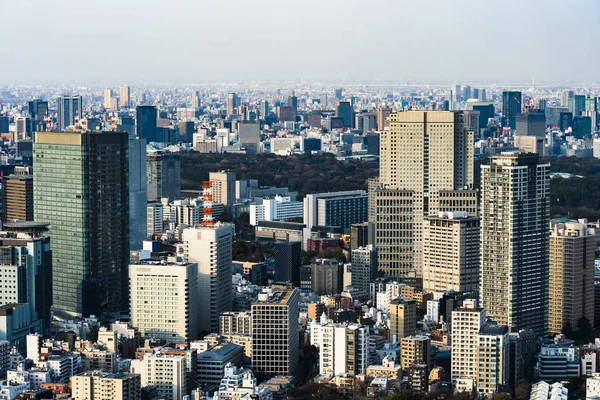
x=168, y=373
x=211, y=247
x=275, y=331
x=343, y=348
x=154, y=219
x=108, y=99
x=515, y=208
x=494, y=354
x=426, y=167
x=125, y=96
x=164, y=300
x=466, y=323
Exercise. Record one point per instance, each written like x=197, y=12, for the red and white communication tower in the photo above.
x=207, y=219
x=48, y=122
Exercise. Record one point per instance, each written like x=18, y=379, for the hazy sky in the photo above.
x=126, y=41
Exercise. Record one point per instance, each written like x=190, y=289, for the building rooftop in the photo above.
x=219, y=354
x=493, y=329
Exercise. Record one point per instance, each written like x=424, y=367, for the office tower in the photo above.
x=292, y=100
x=164, y=314
x=82, y=190
x=494, y=359
x=233, y=102
x=339, y=94
x=566, y=96
x=195, y=99
x=108, y=99
x=146, y=127
x=275, y=332
x=403, y=318
x=125, y=96
x=137, y=193
x=482, y=95
x=210, y=247
x=426, y=160
x=344, y=110
x=326, y=277
x=531, y=124
x=167, y=373
x=223, y=187
x=415, y=350
x=186, y=131
x=466, y=92
x=336, y=208
x=514, y=240
x=382, y=115
x=99, y=385
x=4, y=123
x=26, y=268
x=343, y=348
x=364, y=267
x=511, y=106
x=38, y=110
x=70, y=108
x=126, y=124
x=466, y=323
x=451, y=253
x=456, y=93
x=16, y=322
x=571, y=275
x=359, y=235
x=582, y=126
x=249, y=136
x=17, y=198
x=154, y=219
x=577, y=105
x=264, y=109
x=591, y=110
x=286, y=113
x=163, y=179
x=288, y=260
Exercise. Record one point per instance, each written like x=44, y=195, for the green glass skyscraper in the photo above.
x=82, y=189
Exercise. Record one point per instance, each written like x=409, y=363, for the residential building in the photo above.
x=99, y=386
x=210, y=247
x=164, y=300
x=223, y=188
x=154, y=219
x=167, y=373
x=364, y=266
x=235, y=323
x=466, y=323
x=426, y=160
x=163, y=177
x=403, y=318
x=415, y=350
x=514, y=240
x=240, y=383
x=125, y=96
x=82, y=190
x=451, y=252
x=556, y=363
x=275, y=331
x=571, y=274
x=494, y=357
x=545, y=391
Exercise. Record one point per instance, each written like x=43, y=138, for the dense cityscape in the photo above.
x=355, y=237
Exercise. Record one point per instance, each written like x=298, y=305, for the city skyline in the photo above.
x=227, y=42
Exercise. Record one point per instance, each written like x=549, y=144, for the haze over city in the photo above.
x=107, y=42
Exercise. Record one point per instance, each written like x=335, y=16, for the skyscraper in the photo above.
x=511, y=106
x=456, y=93
x=17, y=195
x=403, y=318
x=577, y=104
x=565, y=97
x=82, y=190
x=344, y=110
x=125, y=96
x=26, y=268
x=223, y=187
x=38, y=109
x=275, y=332
x=426, y=167
x=211, y=248
x=69, y=108
x=514, y=240
x=571, y=275
x=233, y=102
x=138, y=194
x=146, y=123
x=288, y=260
x=195, y=99
x=108, y=98
x=163, y=177
x=466, y=323
x=364, y=267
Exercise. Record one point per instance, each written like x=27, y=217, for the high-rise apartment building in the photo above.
x=511, y=106
x=426, y=167
x=146, y=125
x=164, y=300
x=275, y=331
x=571, y=274
x=451, y=252
x=163, y=176
x=82, y=190
x=415, y=350
x=514, y=240
x=364, y=267
x=108, y=99
x=138, y=194
x=26, y=268
x=403, y=318
x=233, y=102
x=494, y=356
x=125, y=96
x=466, y=323
x=17, y=196
x=223, y=187
x=211, y=248
x=69, y=109
x=100, y=386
